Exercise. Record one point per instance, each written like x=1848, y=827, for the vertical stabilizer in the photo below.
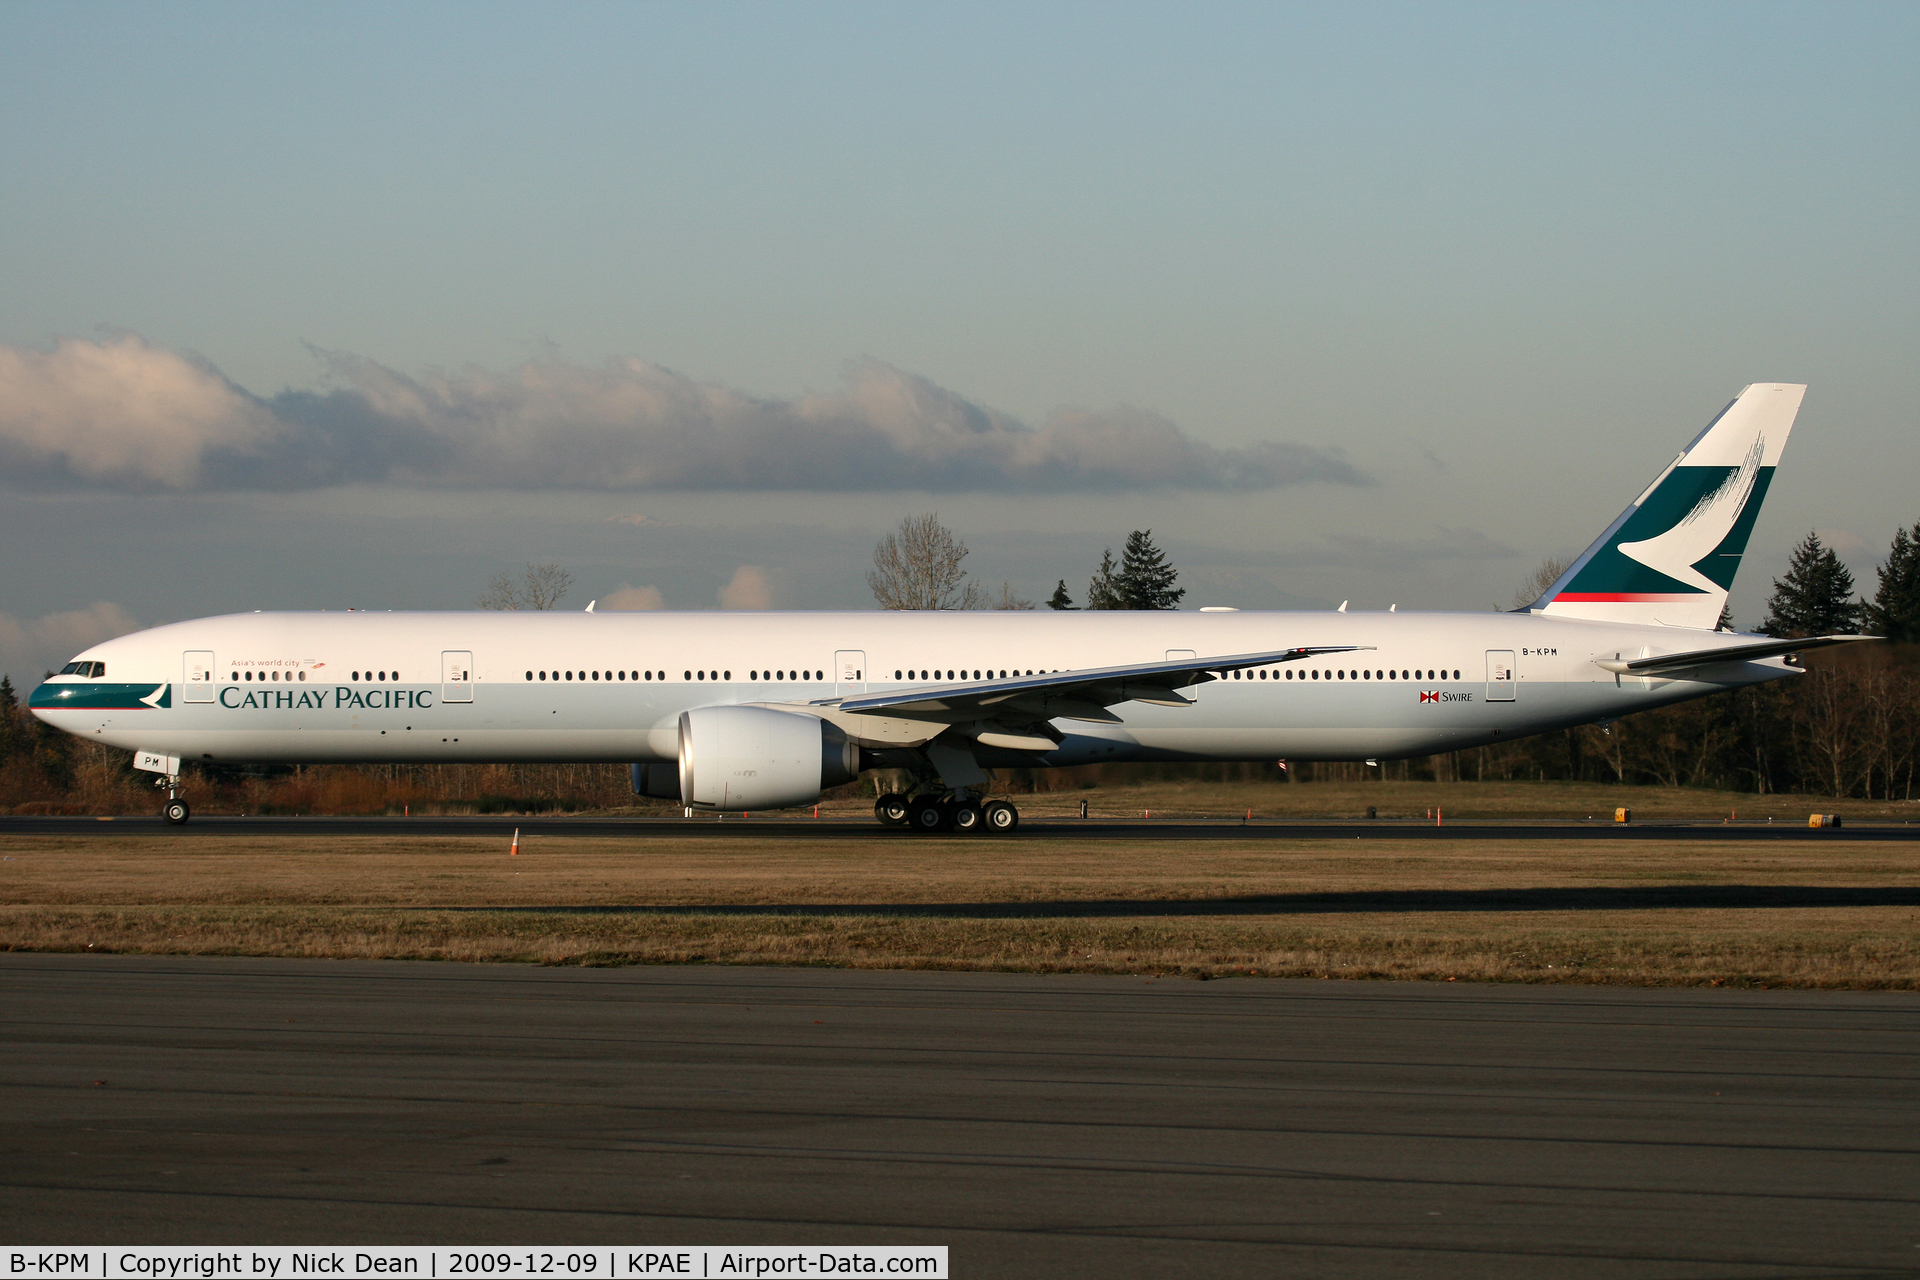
x=1671, y=556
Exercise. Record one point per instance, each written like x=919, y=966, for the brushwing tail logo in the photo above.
x=1670, y=557
x=1702, y=529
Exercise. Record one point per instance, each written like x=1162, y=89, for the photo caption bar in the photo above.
x=493, y=1262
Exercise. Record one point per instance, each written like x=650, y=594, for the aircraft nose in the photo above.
x=48, y=697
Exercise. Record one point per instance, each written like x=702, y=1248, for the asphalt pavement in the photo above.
x=1039, y=1125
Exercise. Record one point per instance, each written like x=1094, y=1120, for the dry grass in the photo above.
x=1569, y=801
x=1649, y=912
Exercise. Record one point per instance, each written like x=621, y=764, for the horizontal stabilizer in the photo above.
x=1667, y=663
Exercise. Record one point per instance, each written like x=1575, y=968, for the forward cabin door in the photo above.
x=456, y=676
x=850, y=673
x=198, y=681
x=1501, y=680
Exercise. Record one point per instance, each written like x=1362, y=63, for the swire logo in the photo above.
x=1429, y=695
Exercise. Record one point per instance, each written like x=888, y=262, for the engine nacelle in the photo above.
x=735, y=758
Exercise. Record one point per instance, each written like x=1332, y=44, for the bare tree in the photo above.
x=1010, y=601
x=542, y=586
x=917, y=566
x=1544, y=575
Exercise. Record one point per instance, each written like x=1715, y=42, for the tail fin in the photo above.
x=1671, y=556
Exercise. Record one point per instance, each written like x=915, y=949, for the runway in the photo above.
x=1040, y=1126
x=784, y=828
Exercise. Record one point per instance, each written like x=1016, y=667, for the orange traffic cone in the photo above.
x=513, y=850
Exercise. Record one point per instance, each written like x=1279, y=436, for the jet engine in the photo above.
x=755, y=758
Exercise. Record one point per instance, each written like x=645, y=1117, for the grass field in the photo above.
x=1643, y=912
x=1573, y=801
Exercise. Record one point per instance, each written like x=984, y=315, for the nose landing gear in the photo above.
x=176, y=810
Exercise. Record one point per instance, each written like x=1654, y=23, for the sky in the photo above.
x=357, y=305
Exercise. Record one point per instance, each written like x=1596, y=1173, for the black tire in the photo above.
x=926, y=814
x=967, y=818
x=891, y=810
x=176, y=812
x=1001, y=817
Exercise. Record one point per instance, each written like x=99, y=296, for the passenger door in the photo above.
x=850, y=673
x=1502, y=681
x=456, y=676
x=197, y=684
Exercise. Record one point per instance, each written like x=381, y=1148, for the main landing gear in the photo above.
x=956, y=811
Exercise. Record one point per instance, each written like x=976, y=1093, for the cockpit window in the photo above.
x=93, y=670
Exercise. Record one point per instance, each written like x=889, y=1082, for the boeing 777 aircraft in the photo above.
x=731, y=711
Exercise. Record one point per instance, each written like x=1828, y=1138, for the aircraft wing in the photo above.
x=1665, y=663
x=1069, y=695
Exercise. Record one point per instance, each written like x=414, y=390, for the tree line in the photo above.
x=917, y=566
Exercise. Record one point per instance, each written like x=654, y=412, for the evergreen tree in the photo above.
x=1895, y=611
x=1060, y=599
x=1146, y=579
x=1103, y=591
x=8, y=702
x=1816, y=596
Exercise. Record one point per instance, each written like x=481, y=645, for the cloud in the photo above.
x=126, y=415
x=1844, y=543
x=644, y=522
x=123, y=415
x=1356, y=550
x=31, y=647
x=748, y=589
x=632, y=600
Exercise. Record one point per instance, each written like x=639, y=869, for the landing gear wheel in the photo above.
x=926, y=813
x=176, y=812
x=967, y=817
x=891, y=810
x=1000, y=816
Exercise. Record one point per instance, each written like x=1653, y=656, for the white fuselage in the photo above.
x=610, y=687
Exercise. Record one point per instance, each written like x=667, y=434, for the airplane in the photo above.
x=730, y=712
